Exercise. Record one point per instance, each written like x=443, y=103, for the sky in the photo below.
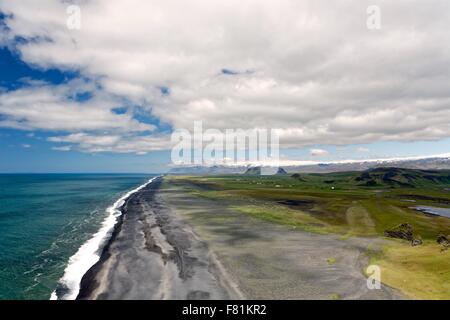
x=105, y=97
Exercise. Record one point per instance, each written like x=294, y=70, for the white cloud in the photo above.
x=115, y=143
x=26, y=146
x=318, y=152
x=362, y=150
x=310, y=68
x=49, y=107
x=62, y=148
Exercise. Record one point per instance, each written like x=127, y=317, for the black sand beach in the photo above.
x=153, y=255
x=171, y=244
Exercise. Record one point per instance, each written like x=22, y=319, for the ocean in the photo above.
x=51, y=226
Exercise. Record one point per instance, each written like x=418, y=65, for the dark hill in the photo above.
x=281, y=172
x=253, y=171
x=398, y=177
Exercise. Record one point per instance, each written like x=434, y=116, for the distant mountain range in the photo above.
x=428, y=163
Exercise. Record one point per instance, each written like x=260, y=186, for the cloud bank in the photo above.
x=310, y=69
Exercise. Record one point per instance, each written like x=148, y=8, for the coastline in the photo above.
x=171, y=244
x=88, y=283
x=90, y=252
x=152, y=255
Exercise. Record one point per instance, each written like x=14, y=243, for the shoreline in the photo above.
x=90, y=252
x=88, y=283
x=152, y=255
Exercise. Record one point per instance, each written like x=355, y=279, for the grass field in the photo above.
x=421, y=272
x=352, y=204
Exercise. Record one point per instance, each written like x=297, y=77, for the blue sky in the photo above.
x=105, y=98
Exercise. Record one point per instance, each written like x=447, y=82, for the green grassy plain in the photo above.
x=352, y=204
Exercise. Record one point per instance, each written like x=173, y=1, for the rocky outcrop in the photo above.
x=416, y=242
x=404, y=231
x=444, y=241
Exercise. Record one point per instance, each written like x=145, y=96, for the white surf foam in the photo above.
x=89, y=253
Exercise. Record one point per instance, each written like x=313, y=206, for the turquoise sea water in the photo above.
x=44, y=219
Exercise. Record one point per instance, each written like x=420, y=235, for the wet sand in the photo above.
x=171, y=244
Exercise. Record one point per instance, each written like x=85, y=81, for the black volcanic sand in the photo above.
x=269, y=261
x=153, y=255
x=172, y=244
